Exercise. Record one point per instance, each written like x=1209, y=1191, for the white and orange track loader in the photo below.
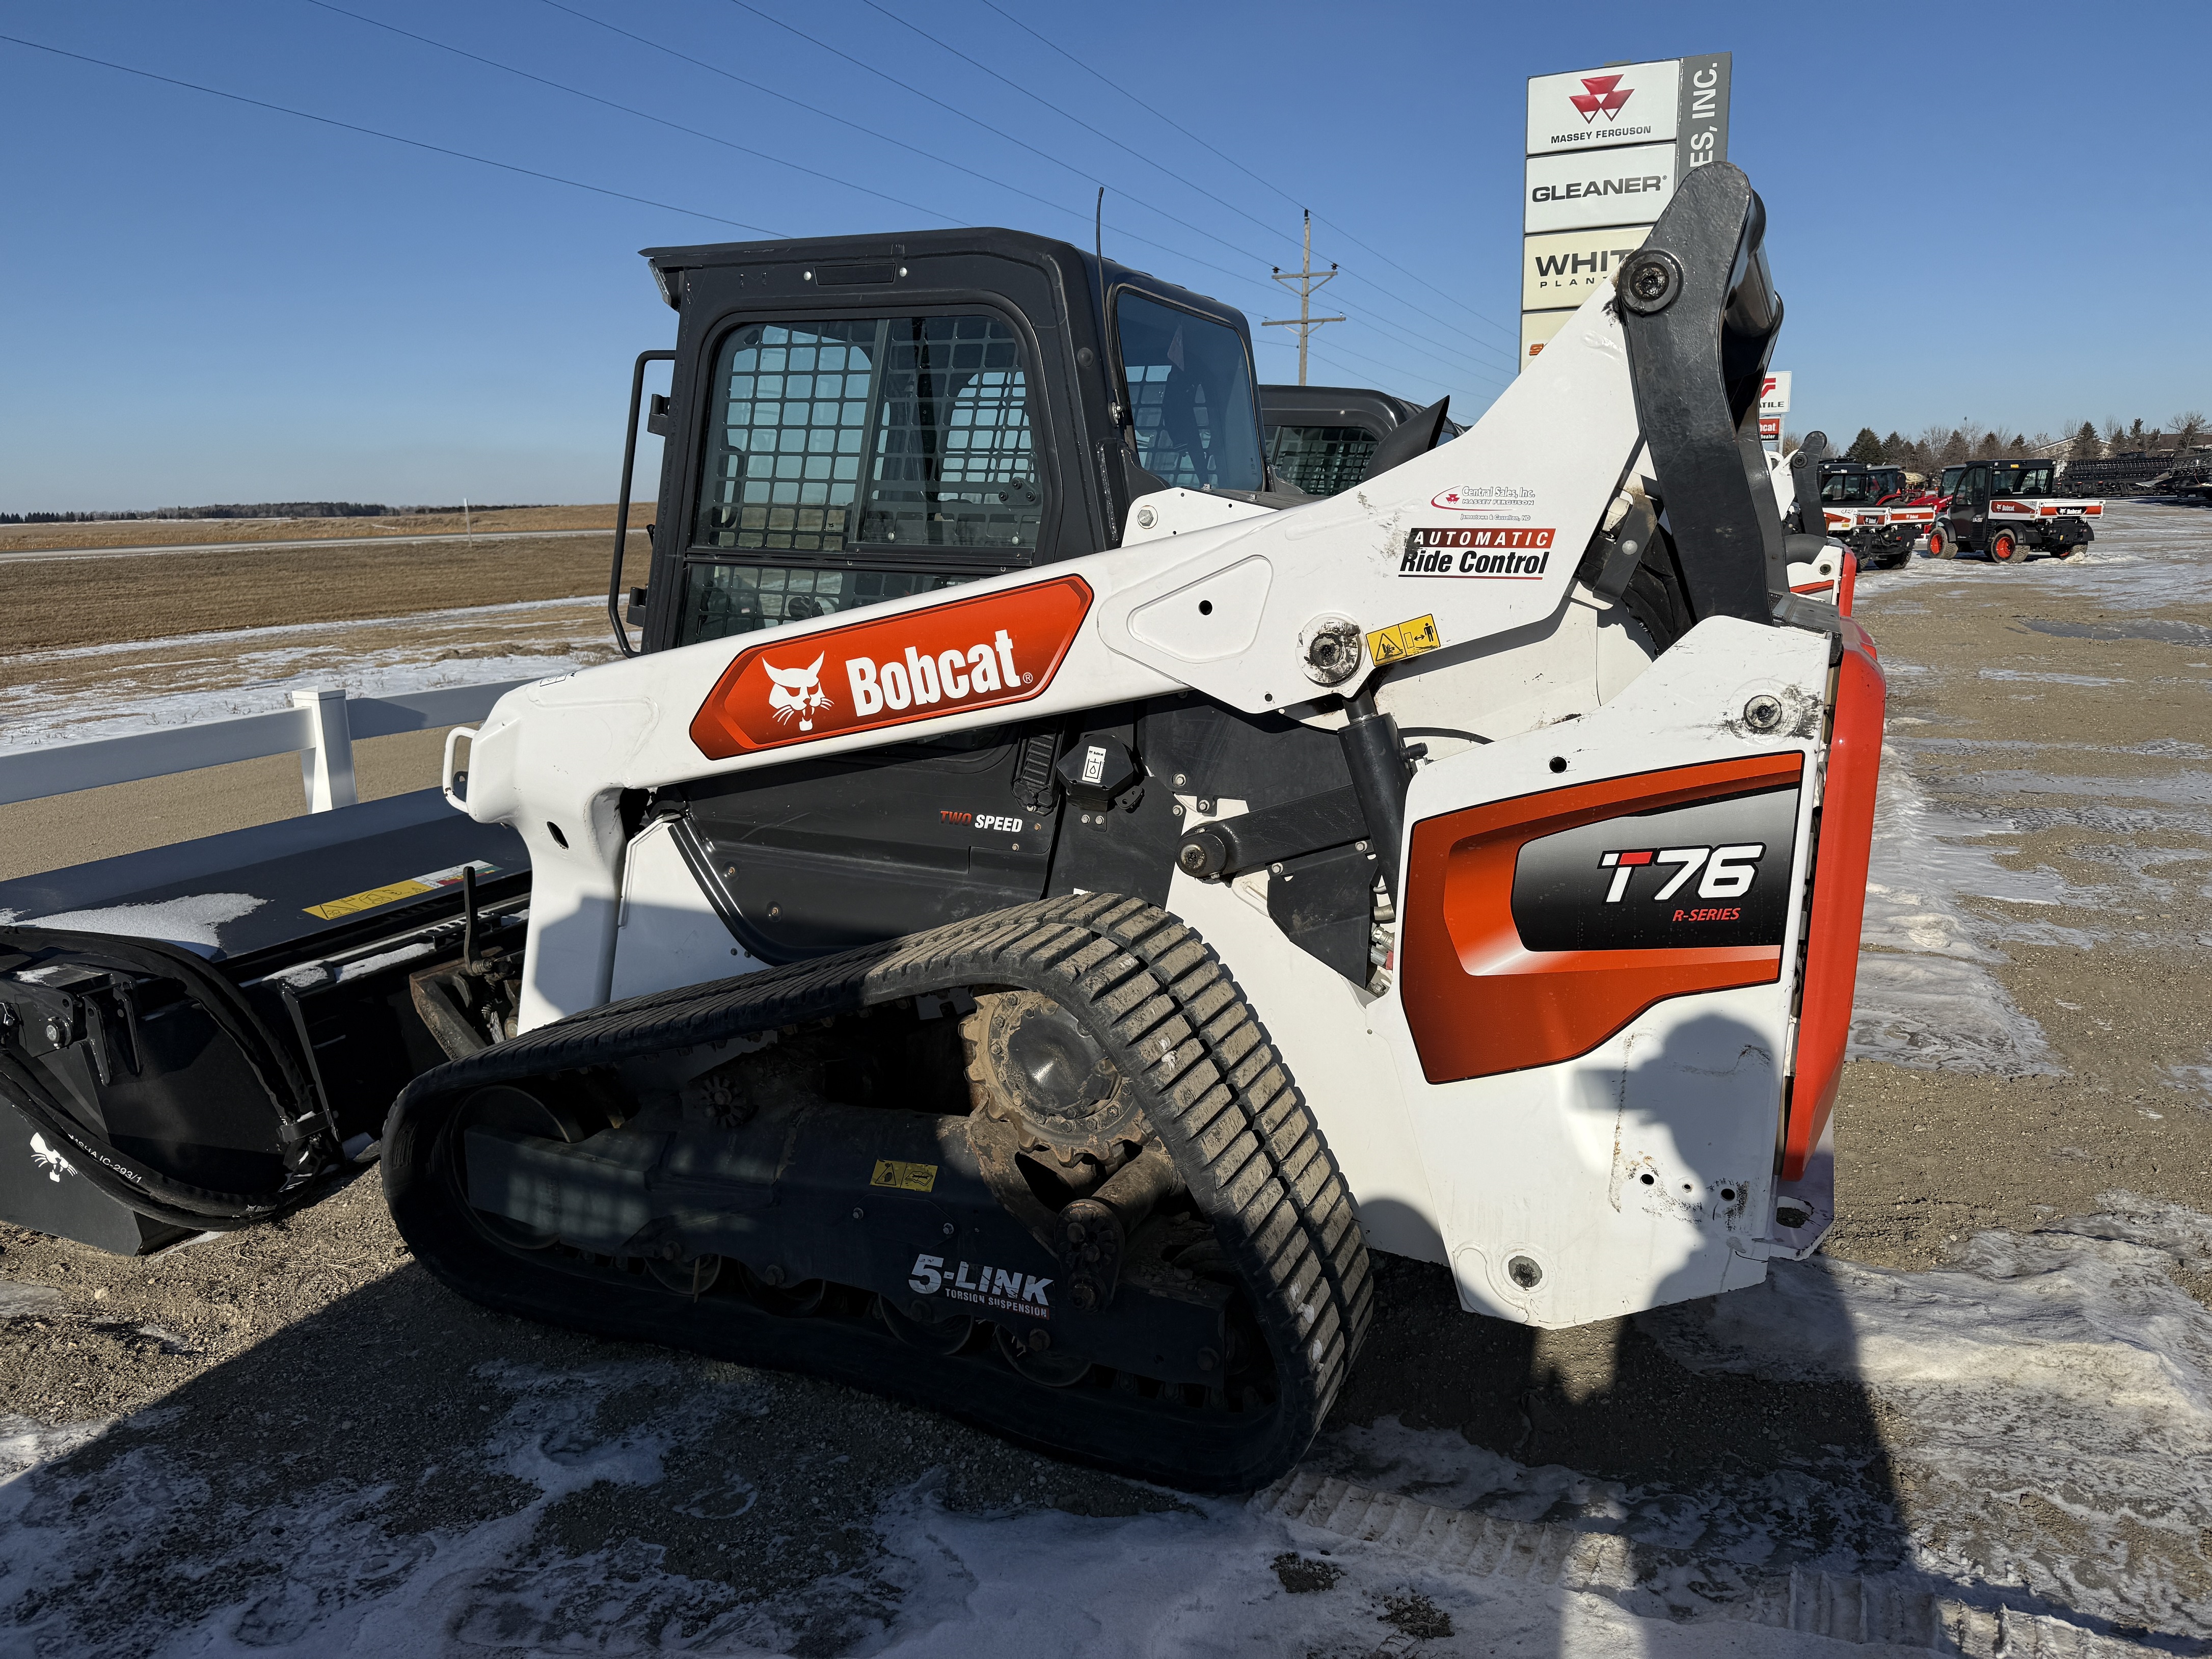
x=1044, y=905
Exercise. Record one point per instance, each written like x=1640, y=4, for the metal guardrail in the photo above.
x=321, y=725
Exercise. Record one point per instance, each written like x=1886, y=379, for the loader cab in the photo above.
x=852, y=421
x=2023, y=478
x=1320, y=439
x=1851, y=483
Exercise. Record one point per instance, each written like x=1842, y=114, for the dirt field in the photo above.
x=179, y=593
x=184, y=532
x=293, y=1439
x=192, y=636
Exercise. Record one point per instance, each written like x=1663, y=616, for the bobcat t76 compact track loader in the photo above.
x=1043, y=903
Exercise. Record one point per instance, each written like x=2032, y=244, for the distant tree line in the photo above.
x=1939, y=446
x=260, y=510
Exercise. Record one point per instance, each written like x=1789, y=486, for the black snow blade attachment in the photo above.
x=156, y=1086
x=1041, y=1170
x=139, y=1070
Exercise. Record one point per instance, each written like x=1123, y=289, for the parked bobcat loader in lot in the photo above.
x=1041, y=906
x=1322, y=440
x=1864, y=508
x=2008, y=509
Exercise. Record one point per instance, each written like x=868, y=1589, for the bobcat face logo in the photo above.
x=50, y=1159
x=797, y=692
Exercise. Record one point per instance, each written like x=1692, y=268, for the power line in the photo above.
x=1426, y=346
x=1257, y=178
x=1062, y=111
x=389, y=137
x=484, y=161
x=643, y=115
x=914, y=91
x=1005, y=81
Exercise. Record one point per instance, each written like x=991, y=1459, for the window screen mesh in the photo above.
x=907, y=430
x=1319, y=459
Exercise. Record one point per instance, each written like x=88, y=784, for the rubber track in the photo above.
x=1159, y=1000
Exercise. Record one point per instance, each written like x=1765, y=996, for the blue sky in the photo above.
x=1986, y=212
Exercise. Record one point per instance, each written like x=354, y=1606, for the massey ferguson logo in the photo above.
x=1729, y=871
x=978, y=653
x=1601, y=95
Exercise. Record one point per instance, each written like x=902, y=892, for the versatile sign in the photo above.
x=1606, y=148
x=1568, y=268
x=1628, y=187
x=978, y=653
x=1774, y=396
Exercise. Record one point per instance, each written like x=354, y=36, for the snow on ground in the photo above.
x=2048, y=1401
x=1926, y=997
x=112, y=690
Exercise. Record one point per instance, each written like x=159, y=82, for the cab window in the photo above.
x=910, y=432
x=1320, y=460
x=1191, y=397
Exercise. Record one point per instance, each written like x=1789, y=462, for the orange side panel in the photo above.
x=1847, y=584
x=1839, y=878
x=1478, y=1001
x=975, y=652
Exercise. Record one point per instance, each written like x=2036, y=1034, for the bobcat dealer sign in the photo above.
x=1606, y=148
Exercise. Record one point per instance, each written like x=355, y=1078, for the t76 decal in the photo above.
x=1714, y=873
x=976, y=652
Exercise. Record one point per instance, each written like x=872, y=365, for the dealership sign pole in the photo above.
x=1606, y=148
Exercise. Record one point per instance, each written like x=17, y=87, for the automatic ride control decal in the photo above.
x=976, y=652
x=1498, y=552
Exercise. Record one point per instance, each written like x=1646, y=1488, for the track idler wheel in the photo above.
x=504, y=1106
x=1033, y=1067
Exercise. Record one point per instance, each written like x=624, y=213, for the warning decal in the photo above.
x=393, y=892
x=907, y=1178
x=1403, y=639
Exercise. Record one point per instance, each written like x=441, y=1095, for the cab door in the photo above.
x=1970, y=507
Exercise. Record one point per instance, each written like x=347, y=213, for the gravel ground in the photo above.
x=264, y=1435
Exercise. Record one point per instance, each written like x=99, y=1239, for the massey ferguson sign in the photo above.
x=945, y=658
x=1606, y=148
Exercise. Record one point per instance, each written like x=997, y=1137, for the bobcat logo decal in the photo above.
x=50, y=1159
x=797, y=691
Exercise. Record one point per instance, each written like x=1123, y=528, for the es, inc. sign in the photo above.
x=1606, y=148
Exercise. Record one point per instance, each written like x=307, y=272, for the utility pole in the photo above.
x=1307, y=279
